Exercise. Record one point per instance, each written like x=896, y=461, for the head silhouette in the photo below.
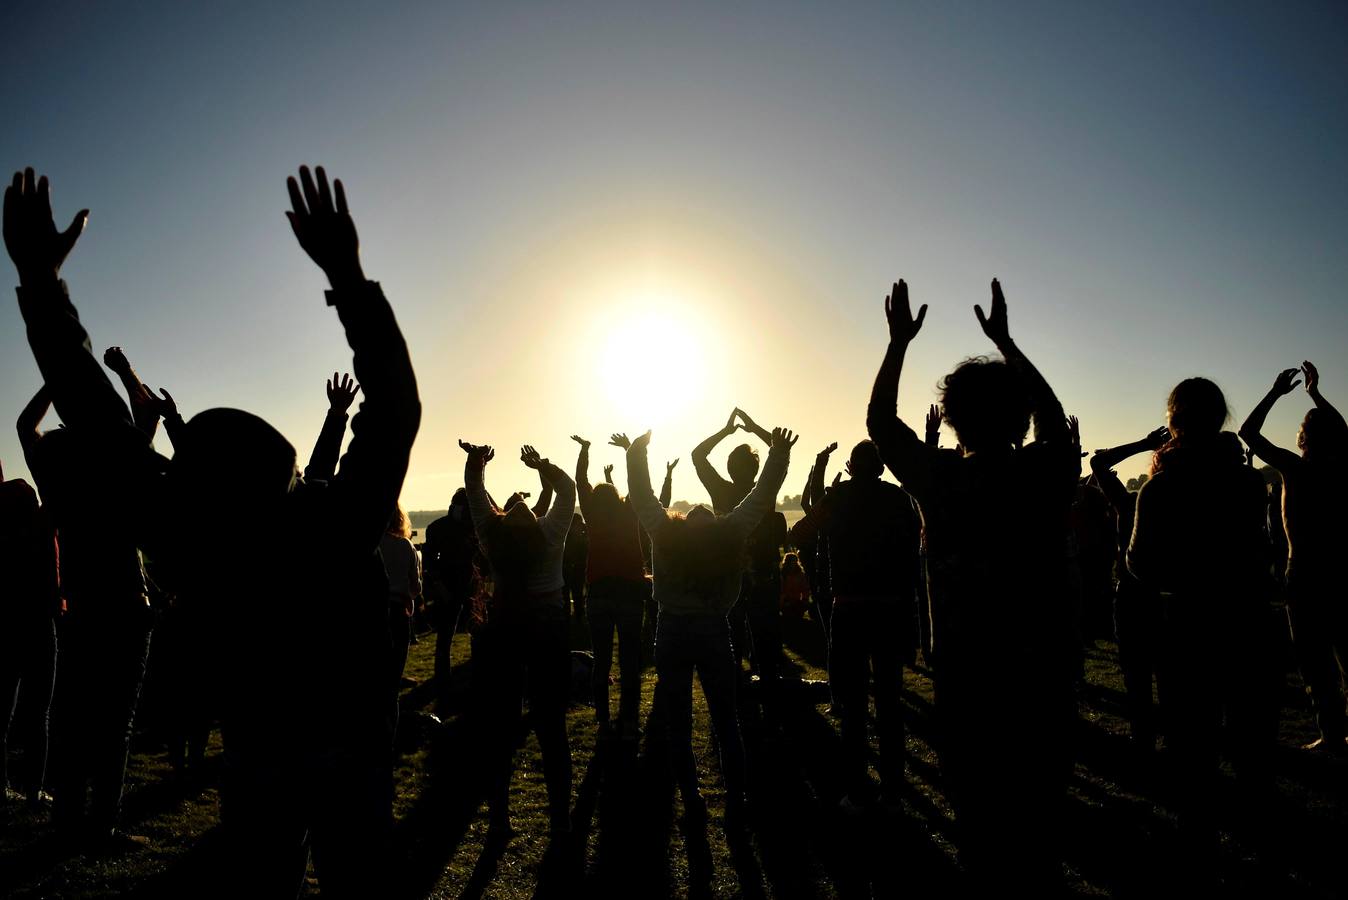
x=1196, y=411
x=864, y=464
x=742, y=464
x=1321, y=435
x=986, y=404
x=605, y=503
x=398, y=524
x=233, y=463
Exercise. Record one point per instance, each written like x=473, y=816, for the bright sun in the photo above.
x=651, y=366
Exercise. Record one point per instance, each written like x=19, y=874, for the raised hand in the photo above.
x=1074, y=429
x=782, y=437
x=608, y=473
x=669, y=467
x=1158, y=437
x=1286, y=381
x=322, y=224
x=341, y=393
x=643, y=440
x=167, y=406
x=826, y=452
x=37, y=248
x=730, y=424
x=1312, y=376
x=903, y=327
x=584, y=444
x=933, y=418
x=530, y=457
x=620, y=440
x=994, y=324
x=481, y=453
x=116, y=360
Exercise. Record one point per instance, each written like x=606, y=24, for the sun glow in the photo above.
x=652, y=365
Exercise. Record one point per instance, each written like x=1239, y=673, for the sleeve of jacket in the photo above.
x=372, y=471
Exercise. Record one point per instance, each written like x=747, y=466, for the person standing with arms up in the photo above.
x=1314, y=501
x=996, y=520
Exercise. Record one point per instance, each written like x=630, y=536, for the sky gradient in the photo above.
x=597, y=217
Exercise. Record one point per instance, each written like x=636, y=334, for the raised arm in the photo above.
x=932, y=438
x=80, y=389
x=173, y=420
x=1313, y=388
x=544, y=502
x=906, y=456
x=480, y=505
x=144, y=404
x=1050, y=423
x=323, y=460
x=706, y=473
x=1251, y=430
x=31, y=417
x=763, y=498
x=1104, y=461
x=382, y=432
x=753, y=427
x=583, y=487
x=649, y=512
x=820, y=472
x=667, y=489
x=556, y=522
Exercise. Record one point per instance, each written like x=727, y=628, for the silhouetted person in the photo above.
x=450, y=561
x=872, y=531
x=995, y=519
x=1199, y=538
x=573, y=566
x=616, y=576
x=30, y=602
x=795, y=587
x=87, y=484
x=742, y=467
x=524, y=644
x=1137, y=608
x=697, y=576
x=1314, y=501
x=404, y=588
x=301, y=631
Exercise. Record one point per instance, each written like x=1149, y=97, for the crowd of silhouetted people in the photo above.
x=285, y=613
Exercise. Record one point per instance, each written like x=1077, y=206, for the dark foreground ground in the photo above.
x=1120, y=837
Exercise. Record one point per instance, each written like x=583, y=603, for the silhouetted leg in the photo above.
x=261, y=811
x=549, y=677
x=674, y=655
x=602, y=616
x=498, y=674
x=32, y=715
x=890, y=630
x=1193, y=696
x=71, y=726
x=350, y=816
x=11, y=666
x=848, y=673
x=1136, y=623
x=1313, y=635
x=629, y=651
x=717, y=670
x=448, y=607
x=125, y=645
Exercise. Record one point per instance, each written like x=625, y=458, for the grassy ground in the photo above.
x=1120, y=836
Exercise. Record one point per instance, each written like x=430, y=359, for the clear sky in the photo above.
x=600, y=217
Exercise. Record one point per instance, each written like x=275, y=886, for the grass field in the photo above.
x=1120, y=836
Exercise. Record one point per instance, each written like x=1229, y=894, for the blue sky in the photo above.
x=702, y=205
